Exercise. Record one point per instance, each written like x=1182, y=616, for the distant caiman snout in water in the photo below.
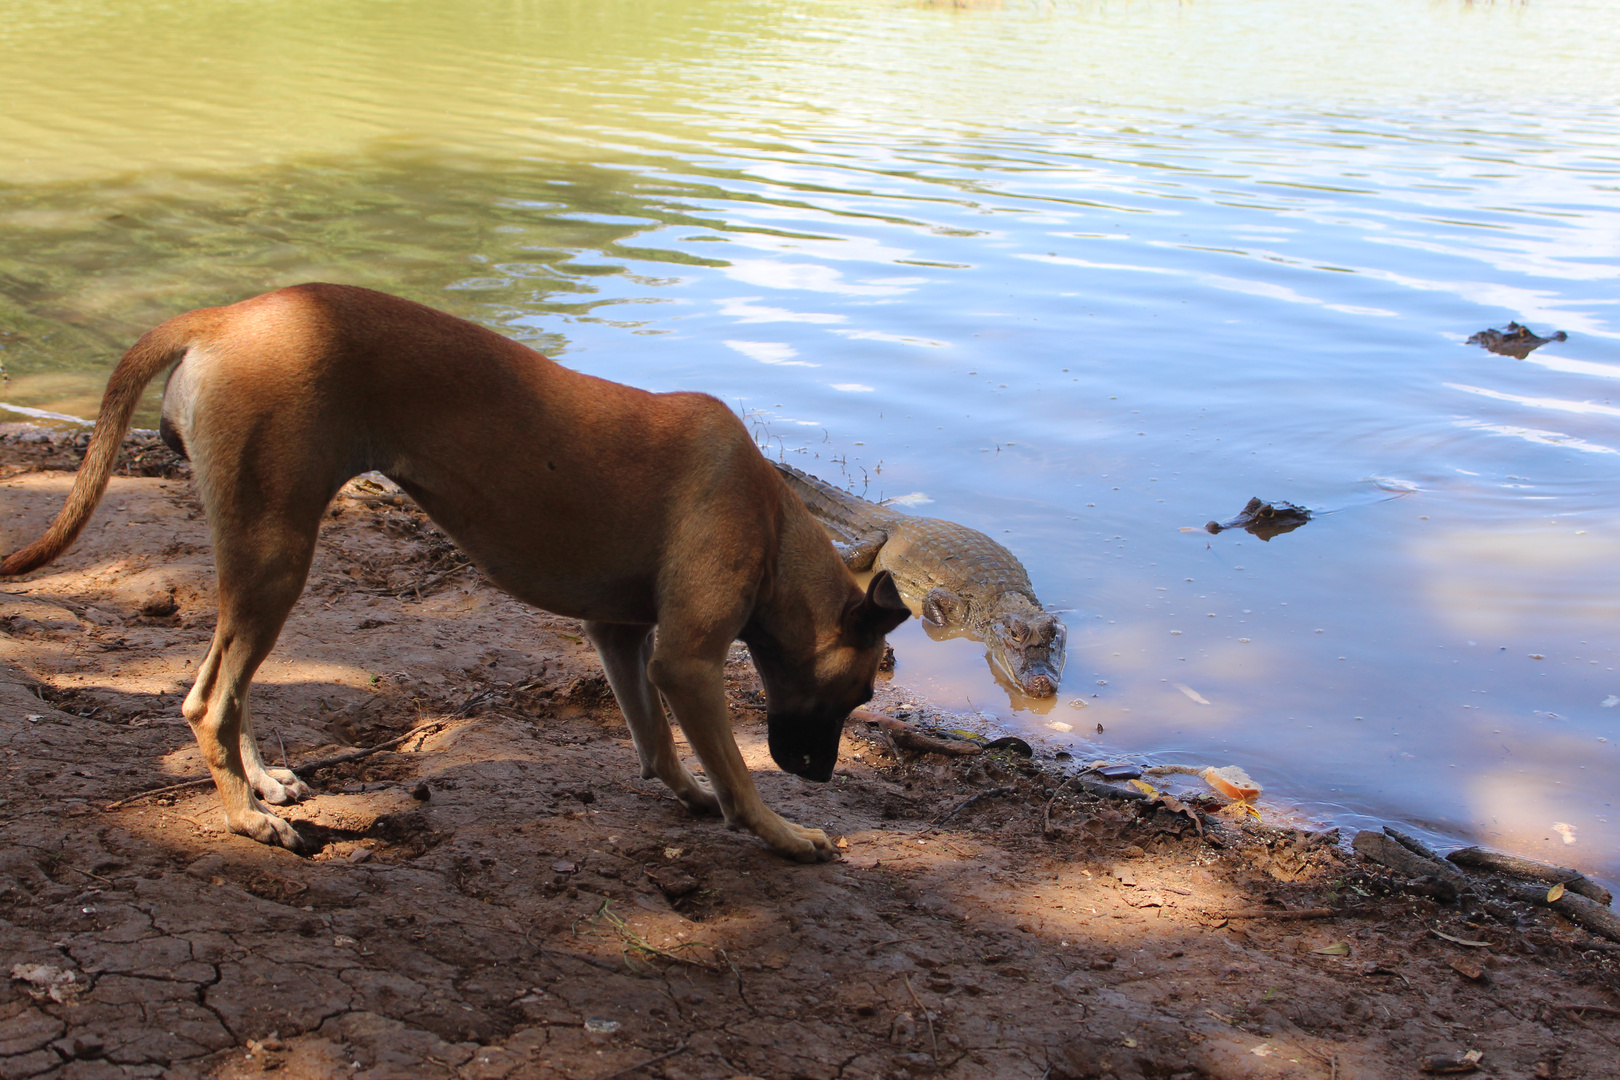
x=958, y=576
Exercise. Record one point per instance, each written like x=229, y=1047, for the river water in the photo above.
x=1085, y=275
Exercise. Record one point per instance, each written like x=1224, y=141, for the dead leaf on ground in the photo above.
x=1451, y=1063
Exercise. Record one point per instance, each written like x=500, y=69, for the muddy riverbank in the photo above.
x=501, y=895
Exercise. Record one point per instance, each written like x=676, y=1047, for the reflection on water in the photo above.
x=1081, y=276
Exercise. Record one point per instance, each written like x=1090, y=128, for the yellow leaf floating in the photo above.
x=1556, y=893
x=1144, y=787
x=1245, y=808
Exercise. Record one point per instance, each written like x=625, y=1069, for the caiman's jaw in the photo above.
x=1039, y=685
x=1029, y=650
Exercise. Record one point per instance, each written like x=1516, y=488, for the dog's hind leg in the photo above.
x=261, y=572
x=276, y=786
x=625, y=650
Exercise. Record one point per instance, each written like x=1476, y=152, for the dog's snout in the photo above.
x=806, y=750
x=820, y=772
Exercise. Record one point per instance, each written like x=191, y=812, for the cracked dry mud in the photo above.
x=544, y=912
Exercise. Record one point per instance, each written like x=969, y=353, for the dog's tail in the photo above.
x=157, y=350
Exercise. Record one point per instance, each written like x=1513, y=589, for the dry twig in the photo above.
x=301, y=770
x=926, y=1016
x=967, y=802
x=630, y=941
x=1575, y=1016
x=1275, y=913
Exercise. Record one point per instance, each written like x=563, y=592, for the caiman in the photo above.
x=958, y=577
x=1516, y=341
x=1264, y=520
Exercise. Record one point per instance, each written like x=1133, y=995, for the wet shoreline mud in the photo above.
x=498, y=894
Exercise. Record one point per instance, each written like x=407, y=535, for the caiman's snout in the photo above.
x=1039, y=686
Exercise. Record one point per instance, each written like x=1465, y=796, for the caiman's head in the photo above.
x=1028, y=648
x=807, y=701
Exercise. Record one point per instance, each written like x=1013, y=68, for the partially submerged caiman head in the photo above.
x=1264, y=519
x=1517, y=341
x=1028, y=648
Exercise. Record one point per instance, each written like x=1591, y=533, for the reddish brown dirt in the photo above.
x=544, y=912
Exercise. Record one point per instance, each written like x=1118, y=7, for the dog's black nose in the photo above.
x=809, y=766
x=809, y=763
x=804, y=746
x=819, y=771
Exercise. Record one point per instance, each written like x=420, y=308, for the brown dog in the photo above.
x=626, y=509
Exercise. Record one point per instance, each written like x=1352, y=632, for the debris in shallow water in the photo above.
x=1192, y=694
x=1399, y=487
x=1515, y=866
x=1013, y=743
x=1516, y=341
x=1231, y=781
x=1565, y=830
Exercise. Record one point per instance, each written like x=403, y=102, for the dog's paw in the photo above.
x=800, y=844
x=279, y=787
x=699, y=797
x=822, y=847
x=268, y=829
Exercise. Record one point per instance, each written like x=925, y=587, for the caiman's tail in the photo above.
x=157, y=350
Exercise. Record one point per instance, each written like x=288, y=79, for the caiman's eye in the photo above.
x=1020, y=632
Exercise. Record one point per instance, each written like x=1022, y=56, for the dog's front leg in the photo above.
x=695, y=690
x=625, y=650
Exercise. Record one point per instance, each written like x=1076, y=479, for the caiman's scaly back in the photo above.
x=844, y=514
x=957, y=576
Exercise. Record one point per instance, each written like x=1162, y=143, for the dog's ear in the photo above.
x=878, y=612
